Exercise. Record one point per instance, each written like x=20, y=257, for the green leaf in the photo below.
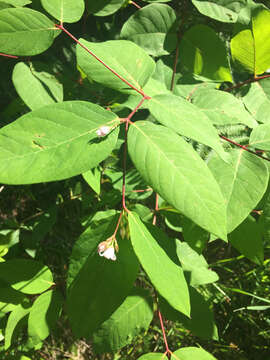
x=9, y=298
x=25, y=32
x=185, y=119
x=55, y=142
x=92, y=177
x=203, y=53
x=64, y=10
x=99, y=285
x=126, y=58
x=32, y=90
x=221, y=10
x=104, y=7
x=194, y=235
x=27, y=276
x=201, y=322
x=17, y=3
x=243, y=181
x=188, y=353
x=18, y=314
x=171, y=167
x=152, y=356
x=194, y=265
x=250, y=47
x=222, y=108
x=151, y=28
x=129, y=320
x=44, y=315
x=260, y=137
x=247, y=239
x=257, y=99
x=155, y=251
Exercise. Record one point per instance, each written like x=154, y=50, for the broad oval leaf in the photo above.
x=201, y=322
x=43, y=315
x=32, y=90
x=64, y=10
x=9, y=298
x=55, y=142
x=257, y=99
x=221, y=10
x=173, y=168
x=247, y=238
x=188, y=353
x=243, y=181
x=98, y=286
x=126, y=58
x=25, y=32
x=151, y=28
x=222, y=108
x=27, y=276
x=185, y=119
x=20, y=312
x=203, y=53
x=150, y=246
x=260, y=137
x=104, y=7
x=194, y=265
x=250, y=47
x=129, y=320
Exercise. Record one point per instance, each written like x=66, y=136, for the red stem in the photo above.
x=118, y=223
x=256, y=78
x=102, y=62
x=133, y=3
x=10, y=56
x=244, y=148
x=168, y=351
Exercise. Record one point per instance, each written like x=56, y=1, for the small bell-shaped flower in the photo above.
x=106, y=249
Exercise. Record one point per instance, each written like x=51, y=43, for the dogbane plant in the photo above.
x=189, y=106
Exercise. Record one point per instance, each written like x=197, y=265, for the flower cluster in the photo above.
x=103, y=131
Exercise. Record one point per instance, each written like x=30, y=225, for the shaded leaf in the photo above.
x=27, y=276
x=247, y=239
x=104, y=7
x=99, y=285
x=203, y=53
x=129, y=320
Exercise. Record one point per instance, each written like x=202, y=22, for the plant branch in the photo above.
x=133, y=3
x=168, y=351
x=10, y=56
x=244, y=148
x=61, y=27
x=254, y=79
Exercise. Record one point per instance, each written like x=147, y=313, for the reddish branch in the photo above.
x=10, y=56
x=256, y=78
x=133, y=3
x=244, y=148
x=61, y=27
x=168, y=351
